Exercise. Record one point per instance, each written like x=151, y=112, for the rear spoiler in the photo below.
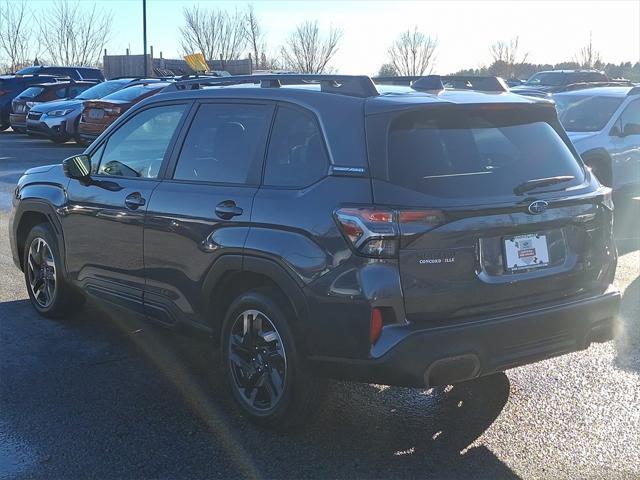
x=456, y=82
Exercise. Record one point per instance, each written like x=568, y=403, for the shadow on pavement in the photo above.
x=628, y=337
x=626, y=224
x=107, y=396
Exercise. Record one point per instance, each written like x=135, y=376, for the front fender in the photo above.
x=35, y=202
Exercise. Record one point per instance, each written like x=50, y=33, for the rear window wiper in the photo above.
x=541, y=182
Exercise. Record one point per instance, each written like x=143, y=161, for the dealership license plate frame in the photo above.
x=525, y=252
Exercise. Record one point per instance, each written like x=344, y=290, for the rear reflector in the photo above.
x=376, y=325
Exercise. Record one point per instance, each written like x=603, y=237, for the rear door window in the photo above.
x=470, y=154
x=297, y=155
x=225, y=144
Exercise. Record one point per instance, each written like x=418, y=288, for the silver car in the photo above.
x=604, y=125
x=58, y=120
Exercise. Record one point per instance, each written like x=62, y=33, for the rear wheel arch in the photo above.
x=235, y=276
x=599, y=160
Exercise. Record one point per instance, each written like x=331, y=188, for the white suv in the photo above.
x=604, y=125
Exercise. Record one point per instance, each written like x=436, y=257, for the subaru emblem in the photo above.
x=537, y=207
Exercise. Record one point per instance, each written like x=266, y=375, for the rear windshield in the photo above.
x=550, y=79
x=585, y=113
x=101, y=90
x=28, y=71
x=466, y=154
x=31, y=92
x=131, y=93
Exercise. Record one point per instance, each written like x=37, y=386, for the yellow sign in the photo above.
x=196, y=62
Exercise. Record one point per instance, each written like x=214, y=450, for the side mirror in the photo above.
x=631, y=129
x=615, y=131
x=77, y=167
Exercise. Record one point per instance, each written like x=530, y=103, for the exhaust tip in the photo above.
x=452, y=370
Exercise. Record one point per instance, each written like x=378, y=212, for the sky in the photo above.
x=549, y=31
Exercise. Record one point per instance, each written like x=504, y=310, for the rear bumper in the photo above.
x=436, y=356
x=18, y=120
x=90, y=131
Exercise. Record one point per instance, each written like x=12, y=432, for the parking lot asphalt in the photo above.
x=101, y=395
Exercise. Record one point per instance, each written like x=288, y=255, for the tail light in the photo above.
x=112, y=111
x=376, y=232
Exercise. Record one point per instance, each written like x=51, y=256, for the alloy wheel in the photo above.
x=257, y=360
x=41, y=272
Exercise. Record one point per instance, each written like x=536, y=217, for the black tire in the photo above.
x=38, y=271
x=300, y=391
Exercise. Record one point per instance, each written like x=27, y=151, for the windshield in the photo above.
x=585, y=113
x=549, y=79
x=455, y=154
x=101, y=90
x=31, y=92
x=131, y=93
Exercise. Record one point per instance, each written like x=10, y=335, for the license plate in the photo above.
x=96, y=113
x=526, y=251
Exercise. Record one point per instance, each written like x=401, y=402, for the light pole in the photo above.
x=144, y=35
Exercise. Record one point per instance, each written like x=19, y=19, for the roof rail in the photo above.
x=459, y=82
x=351, y=85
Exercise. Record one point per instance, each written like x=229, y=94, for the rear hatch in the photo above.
x=102, y=112
x=514, y=218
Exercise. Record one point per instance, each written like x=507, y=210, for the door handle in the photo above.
x=228, y=209
x=134, y=200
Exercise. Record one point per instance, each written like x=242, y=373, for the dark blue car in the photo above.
x=10, y=87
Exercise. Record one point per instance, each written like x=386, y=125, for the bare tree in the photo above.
x=413, y=53
x=255, y=37
x=214, y=33
x=308, y=51
x=588, y=56
x=72, y=35
x=506, y=57
x=15, y=31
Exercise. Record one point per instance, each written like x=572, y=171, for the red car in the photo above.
x=97, y=115
x=39, y=93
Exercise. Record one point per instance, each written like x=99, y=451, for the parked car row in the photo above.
x=76, y=118
x=69, y=108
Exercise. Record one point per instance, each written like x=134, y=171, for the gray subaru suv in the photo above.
x=323, y=226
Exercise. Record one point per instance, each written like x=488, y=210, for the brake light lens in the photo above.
x=376, y=232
